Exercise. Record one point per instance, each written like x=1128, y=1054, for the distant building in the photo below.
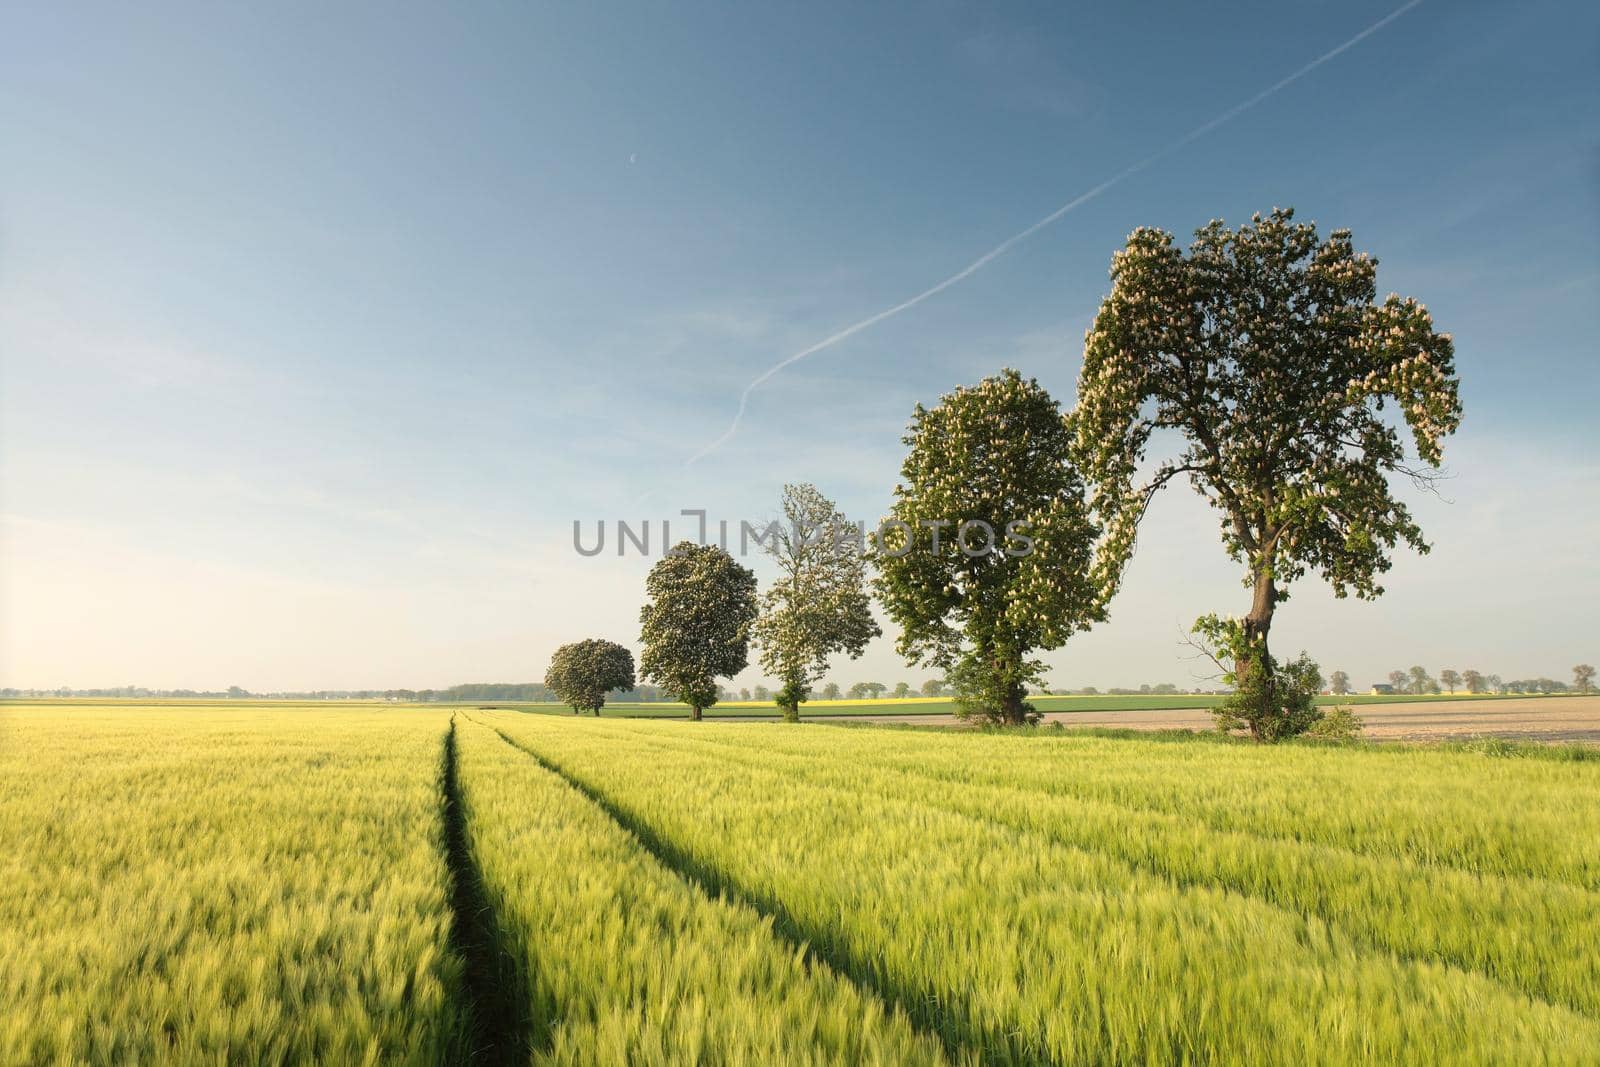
x=1381, y=689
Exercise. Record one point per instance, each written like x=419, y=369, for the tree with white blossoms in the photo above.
x=1265, y=350
x=695, y=628
x=995, y=454
x=818, y=607
x=583, y=672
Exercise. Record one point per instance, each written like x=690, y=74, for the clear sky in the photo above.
x=320, y=325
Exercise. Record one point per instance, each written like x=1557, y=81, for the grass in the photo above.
x=227, y=883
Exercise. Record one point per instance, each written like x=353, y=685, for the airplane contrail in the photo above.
x=1016, y=238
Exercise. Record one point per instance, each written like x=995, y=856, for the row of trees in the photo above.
x=1417, y=680
x=703, y=613
x=1261, y=366
x=860, y=691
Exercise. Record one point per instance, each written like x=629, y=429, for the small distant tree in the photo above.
x=1420, y=681
x=1494, y=683
x=866, y=690
x=583, y=672
x=1265, y=351
x=1339, y=682
x=987, y=553
x=1400, y=680
x=830, y=691
x=695, y=626
x=1583, y=678
x=1451, y=679
x=744, y=694
x=1473, y=681
x=761, y=693
x=818, y=607
x=933, y=687
x=902, y=690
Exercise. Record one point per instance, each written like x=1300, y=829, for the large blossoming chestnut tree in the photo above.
x=1284, y=387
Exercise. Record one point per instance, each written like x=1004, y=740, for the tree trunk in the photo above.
x=1257, y=624
x=597, y=713
x=1012, y=710
x=791, y=712
x=1259, y=621
x=694, y=714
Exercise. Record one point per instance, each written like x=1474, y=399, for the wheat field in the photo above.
x=401, y=885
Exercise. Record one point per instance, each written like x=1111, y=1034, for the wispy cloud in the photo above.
x=1017, y=238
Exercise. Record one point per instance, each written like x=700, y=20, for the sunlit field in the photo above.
x=223, y=886
x=246, y=884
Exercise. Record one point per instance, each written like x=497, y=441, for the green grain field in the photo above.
x=302, y=884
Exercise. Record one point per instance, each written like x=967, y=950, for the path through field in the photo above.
x=1530, y=719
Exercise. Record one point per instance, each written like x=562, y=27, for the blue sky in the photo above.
x=320, y=327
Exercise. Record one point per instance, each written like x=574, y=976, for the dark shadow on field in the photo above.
x=948, y=1019
x=503, y=1025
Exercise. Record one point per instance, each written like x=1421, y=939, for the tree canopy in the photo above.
x=583, y=672
x=1583, y=677
x=695, y=627
x=1264, y=352
x=818, y=606
x=987, y=552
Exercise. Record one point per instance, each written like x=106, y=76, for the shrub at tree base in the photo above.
x=1336, y=724
x=1271, y=700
